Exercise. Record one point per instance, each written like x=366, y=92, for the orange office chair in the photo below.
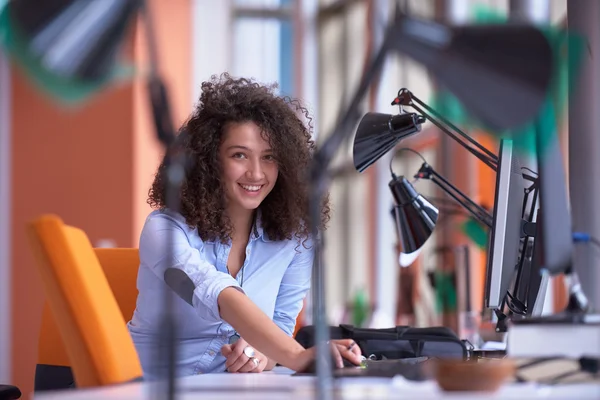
x=53, y=369
x=81, y=306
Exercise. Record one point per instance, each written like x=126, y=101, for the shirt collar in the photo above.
x=257, y=229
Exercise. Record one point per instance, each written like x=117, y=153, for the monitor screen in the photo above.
x=505, y=235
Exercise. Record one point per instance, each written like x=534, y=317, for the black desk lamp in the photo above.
x=378, y=133
x=415, y=216
x=372, y=134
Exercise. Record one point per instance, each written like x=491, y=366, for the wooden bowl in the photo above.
x=470, y=376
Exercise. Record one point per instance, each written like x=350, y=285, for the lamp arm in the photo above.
x=407, y=98
x=176, y=161
x=427, y=172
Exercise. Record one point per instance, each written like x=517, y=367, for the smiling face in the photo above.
x=249, y=168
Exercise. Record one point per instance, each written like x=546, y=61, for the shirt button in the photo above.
x=212, y=353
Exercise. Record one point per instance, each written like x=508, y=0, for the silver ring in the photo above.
x=249, y=351
x=255, y=361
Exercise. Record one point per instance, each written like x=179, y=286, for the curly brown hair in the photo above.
x=227, y=100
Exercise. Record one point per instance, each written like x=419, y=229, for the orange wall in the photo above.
x=486, y=181
x=173, y=19
x=92, y=166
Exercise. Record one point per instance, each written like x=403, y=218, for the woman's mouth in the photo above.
x=251, y=189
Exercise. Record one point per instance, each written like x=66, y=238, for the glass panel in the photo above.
x=263, y=49
x=286, y=56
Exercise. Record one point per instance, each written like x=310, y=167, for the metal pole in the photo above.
x=452, y=12
x=386, y=275
x=584, y=146
x=6, y=221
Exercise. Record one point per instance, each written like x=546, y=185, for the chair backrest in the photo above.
x=87, y=314
x=120, y=267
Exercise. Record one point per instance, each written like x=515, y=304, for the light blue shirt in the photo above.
x=276, y=277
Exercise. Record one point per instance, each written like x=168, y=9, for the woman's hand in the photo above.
x=340, y=350
x=345, y=348
x=238, y=361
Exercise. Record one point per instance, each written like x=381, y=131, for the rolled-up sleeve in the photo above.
x=166, y=250
x=292, y=291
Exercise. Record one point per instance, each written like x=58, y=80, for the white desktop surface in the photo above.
x=278, y=384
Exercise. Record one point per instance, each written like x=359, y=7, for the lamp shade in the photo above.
x=378, y=133
x=406, y=260
x=415, y=216
x=501, y=73
x=67, y=47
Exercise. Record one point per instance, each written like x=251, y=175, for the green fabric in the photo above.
x=360, y=309
x=445, y=292
x=67, y=91
x=476, y=232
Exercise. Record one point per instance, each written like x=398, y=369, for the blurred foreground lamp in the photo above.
x=70, y=49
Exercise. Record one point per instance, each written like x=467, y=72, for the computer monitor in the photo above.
x=505, y=235
x=552, y=244
x=538, y=282
x=530, y=282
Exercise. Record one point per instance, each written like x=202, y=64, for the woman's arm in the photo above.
x=294, y=286
x=260, y=331
x=165, y=248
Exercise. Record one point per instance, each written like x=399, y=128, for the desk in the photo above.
x=279, y=384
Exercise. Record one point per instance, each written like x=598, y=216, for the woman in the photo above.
x=241, y=253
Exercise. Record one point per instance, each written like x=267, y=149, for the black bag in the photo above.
x=395, y=343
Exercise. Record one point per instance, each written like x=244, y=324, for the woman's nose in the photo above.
x=255, y=171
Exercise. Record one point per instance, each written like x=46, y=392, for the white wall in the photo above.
x=211, y=41
x=5, y=220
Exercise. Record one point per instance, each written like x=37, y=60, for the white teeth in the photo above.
x=251, y=188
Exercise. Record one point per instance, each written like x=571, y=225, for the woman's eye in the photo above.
x=239, y=155
x=269, y=157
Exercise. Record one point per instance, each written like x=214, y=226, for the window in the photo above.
x=264, y=42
